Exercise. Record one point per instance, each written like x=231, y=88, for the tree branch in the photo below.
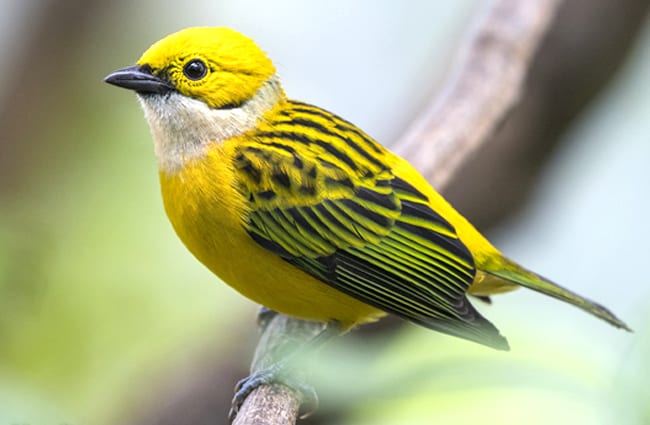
x=486, y=85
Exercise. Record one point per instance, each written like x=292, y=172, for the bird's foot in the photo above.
x=276, y=374
x=280, y=371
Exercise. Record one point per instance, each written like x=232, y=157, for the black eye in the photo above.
x=195, y=69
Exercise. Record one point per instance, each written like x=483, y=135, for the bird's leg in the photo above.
x=280, y=372
x=264, y=316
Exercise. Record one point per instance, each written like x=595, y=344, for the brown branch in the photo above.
x=577, y=59
x=487, y=84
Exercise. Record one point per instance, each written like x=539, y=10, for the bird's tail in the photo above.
x=512, y=272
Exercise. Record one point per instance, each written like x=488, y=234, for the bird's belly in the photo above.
x=210, y=225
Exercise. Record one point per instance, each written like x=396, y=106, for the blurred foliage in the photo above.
x=102, y=309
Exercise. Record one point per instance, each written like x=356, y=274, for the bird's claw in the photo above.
x=273, y=375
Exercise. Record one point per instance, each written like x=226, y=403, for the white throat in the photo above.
x=183, y=128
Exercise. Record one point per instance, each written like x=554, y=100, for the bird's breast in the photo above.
x=205, y=208
x=208, y=213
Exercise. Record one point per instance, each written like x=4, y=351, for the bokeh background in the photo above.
x=105, y=318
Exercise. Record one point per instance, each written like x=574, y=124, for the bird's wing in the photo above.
x=339, y=214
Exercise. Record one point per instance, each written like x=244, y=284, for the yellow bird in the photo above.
x=300, y=210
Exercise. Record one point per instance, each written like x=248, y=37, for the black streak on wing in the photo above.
x=305, y=140
x=251, y=171
x=267, y=195
x=402, y=185
x=339, y=182
x=323, y=211
x=454, y=246
x=339, y=122
x=307, y=189
x=270, y=245
x=281, y=178
x=364, y=212
x=426, y=213
x=351, y=143
x=386, y=201
x=301, y=221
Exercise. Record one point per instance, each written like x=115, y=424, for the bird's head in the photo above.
x=199, y=86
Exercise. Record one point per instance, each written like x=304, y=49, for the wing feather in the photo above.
x=339, y=214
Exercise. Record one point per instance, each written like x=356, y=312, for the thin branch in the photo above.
x=486, y=85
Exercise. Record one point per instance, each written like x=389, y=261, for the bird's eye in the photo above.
x=195, y=69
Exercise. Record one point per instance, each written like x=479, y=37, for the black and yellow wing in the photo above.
x=322, y=197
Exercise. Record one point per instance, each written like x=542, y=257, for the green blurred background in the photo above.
x=105, y=318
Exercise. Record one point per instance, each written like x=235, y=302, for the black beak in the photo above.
x=140, y=79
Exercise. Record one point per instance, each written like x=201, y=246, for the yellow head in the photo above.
x=218, y=66
x=199, y=86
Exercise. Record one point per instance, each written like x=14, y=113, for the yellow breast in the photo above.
x=207, y=213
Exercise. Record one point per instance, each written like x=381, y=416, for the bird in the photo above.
x=302, y=211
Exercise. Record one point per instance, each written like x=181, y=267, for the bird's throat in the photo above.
x=183, y=128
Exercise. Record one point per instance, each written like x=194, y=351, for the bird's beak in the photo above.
x=140, y=79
